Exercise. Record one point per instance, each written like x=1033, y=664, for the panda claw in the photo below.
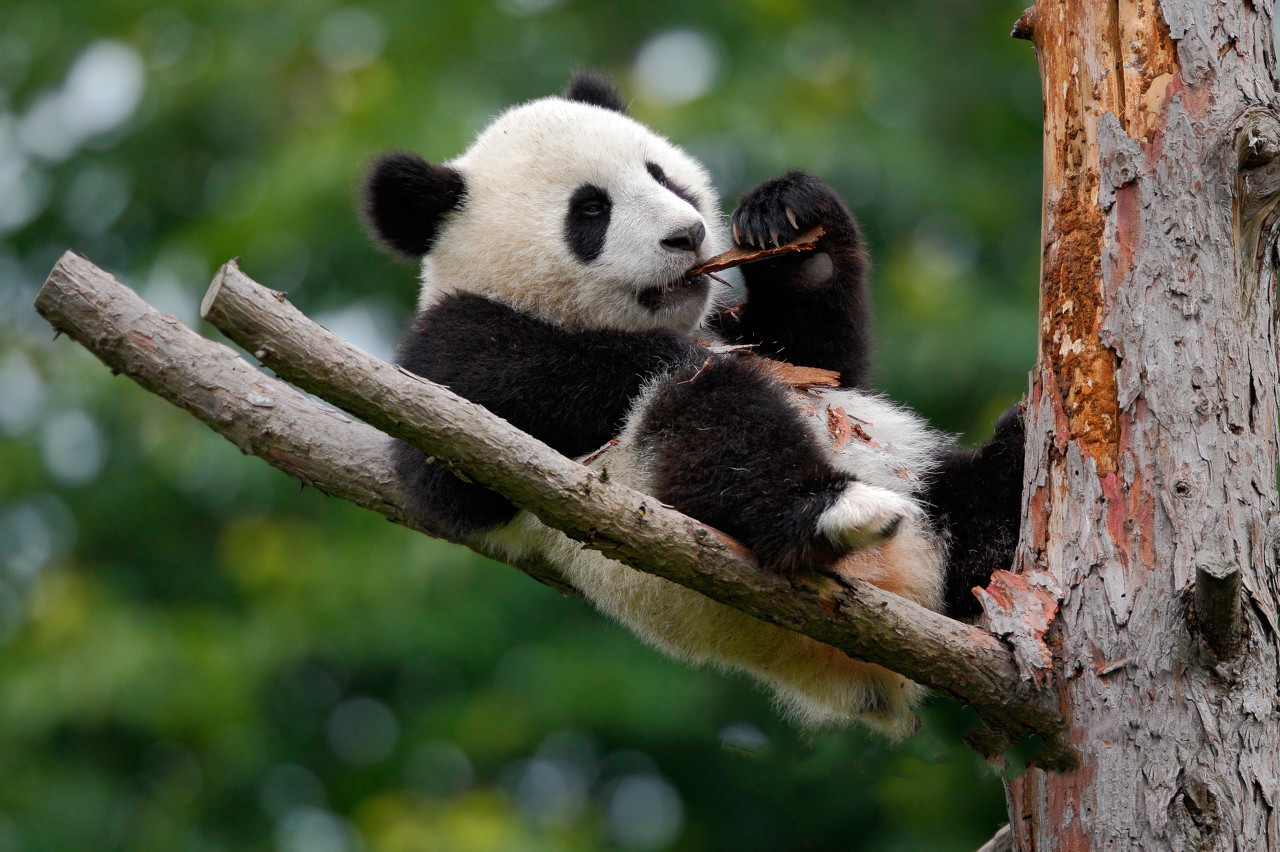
x=737, y=237
x=791, y=217
x=773, y=235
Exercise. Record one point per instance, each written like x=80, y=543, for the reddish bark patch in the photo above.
x=862, y=434
x=1117, y=510
x=1020, y=608
x=1128, y=228
x=143, y=341
x=1072, y=312
x=800, y=378
x=838, y=427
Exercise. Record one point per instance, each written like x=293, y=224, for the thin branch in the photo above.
x=1002, y=842
x=955, y=659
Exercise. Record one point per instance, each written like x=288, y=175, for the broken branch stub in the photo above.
x=1217, y=607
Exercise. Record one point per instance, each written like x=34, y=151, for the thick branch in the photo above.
x=261, y=415
x=955, y=659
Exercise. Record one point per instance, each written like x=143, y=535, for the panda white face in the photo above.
x=581, y=216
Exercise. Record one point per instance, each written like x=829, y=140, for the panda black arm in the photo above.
x=570, y=389
x=811, y=310
x=975, y=499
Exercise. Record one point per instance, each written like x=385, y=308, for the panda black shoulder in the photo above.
x=570, y=389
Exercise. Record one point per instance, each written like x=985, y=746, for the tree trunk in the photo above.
x=1154, y=401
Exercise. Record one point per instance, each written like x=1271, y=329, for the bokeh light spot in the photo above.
x=362, y=731
x=350, y=38
x=288, y=787
x=316, y=830
x=644, y=812
x=675, y=67
x=72, y=447
x=22, y=394
x=103, y=88
x=439, y=769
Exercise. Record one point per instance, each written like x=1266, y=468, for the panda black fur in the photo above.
x=553, y=253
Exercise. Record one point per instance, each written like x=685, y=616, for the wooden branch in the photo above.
x=263, y=416
x=1002, y=842
x=954, y=659
x=1217, y=607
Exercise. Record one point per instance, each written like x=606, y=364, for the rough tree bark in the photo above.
x=1151, y=496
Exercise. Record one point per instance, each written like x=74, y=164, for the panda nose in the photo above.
x=685, y=239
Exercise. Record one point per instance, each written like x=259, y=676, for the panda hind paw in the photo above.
x=864, y=516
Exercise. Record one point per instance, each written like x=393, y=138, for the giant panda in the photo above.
x=553, y=256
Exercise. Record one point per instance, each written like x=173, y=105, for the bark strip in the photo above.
x=1075, y=42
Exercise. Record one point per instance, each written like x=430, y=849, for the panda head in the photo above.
x=563, y=207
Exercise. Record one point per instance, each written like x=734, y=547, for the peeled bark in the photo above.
x=1152, y=425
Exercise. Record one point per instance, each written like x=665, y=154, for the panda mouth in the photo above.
x=653, y=298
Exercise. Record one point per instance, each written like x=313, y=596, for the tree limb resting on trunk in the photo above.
x=348, y=459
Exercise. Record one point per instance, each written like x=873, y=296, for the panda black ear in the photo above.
x=592, y=87
x=406, y=199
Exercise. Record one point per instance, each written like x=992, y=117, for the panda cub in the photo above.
x=553, y=255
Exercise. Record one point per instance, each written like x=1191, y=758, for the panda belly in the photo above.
x=814, y=684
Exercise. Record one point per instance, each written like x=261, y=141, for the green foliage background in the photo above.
x=196, y=655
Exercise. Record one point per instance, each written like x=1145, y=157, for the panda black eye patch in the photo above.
x=656, y=172
x=587, y=221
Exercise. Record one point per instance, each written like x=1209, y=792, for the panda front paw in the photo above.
x=865, y=515
x=779, y=210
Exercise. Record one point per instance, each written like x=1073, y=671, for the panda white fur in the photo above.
x=553, y=256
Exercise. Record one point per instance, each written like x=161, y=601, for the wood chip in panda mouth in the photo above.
x=738, y=255
x=651, y=298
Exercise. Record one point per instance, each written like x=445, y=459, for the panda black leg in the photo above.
x=442, y=500
x=811, y=310
x=976, y=498
x=732, y=452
